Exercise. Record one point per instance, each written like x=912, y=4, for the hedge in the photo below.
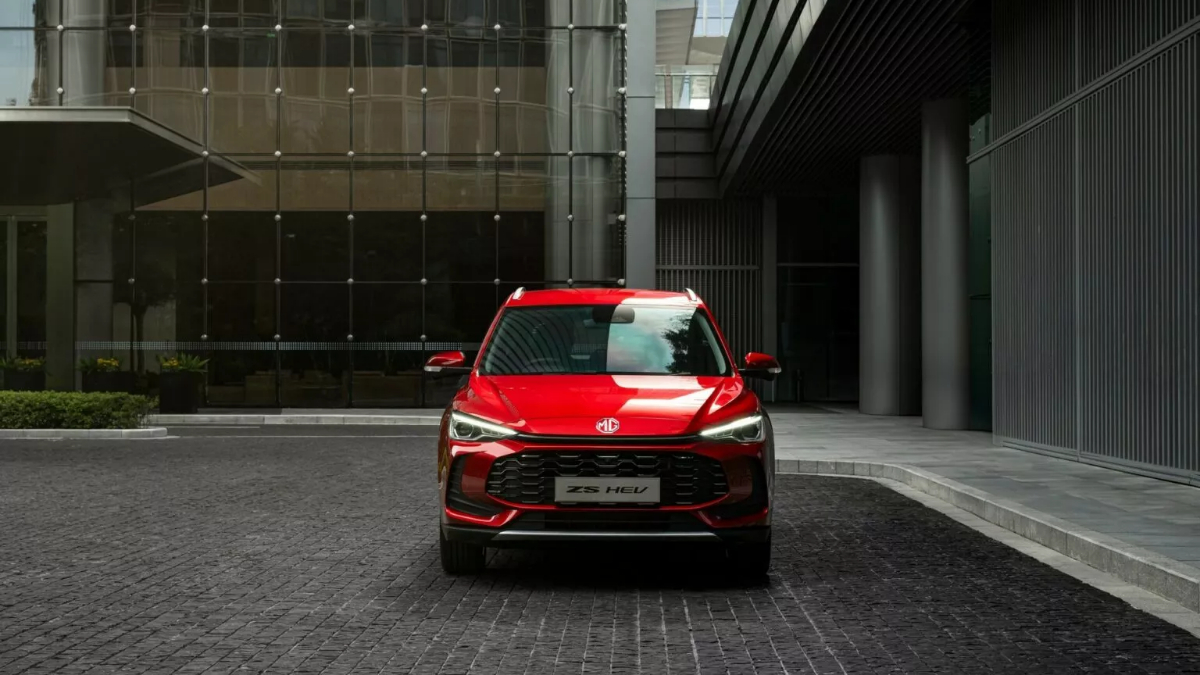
x=71, y=410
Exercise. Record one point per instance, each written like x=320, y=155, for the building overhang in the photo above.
x=62, y=155
x=675, y=22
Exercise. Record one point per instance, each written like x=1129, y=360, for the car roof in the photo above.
x=602, y=296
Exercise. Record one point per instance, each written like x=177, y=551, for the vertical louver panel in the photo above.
x=715, y=248
x=1033, y=290
x=1114, y=31
x=1139, y=241
x=1033, y=58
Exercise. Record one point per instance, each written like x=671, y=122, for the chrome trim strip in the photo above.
x=553, y=535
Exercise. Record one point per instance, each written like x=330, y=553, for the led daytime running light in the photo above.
x=491, y=429
x=722, y=429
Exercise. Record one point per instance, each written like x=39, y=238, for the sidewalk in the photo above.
x=1118, y=522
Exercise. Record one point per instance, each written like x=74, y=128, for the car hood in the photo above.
x=573, y=405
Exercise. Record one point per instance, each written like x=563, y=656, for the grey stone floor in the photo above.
x=1156, y=515
x=319, y=555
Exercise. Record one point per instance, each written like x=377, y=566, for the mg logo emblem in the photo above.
x=608, y=425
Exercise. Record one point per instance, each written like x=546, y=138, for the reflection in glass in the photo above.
x=461, y=247
x=241, y=246
x=614, y=340
x=314, y=184
x=25, y=79
x=459, y=313
x=316, y=80
x=98, y=67
x=243, y=74
x=169, y=80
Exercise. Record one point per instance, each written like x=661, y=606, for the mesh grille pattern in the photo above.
x=528, y=477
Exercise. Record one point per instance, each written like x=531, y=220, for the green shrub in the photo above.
x=71, y=410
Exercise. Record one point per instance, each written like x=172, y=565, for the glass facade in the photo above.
x=404, y=166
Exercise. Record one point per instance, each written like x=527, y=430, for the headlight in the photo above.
x=742, y=430
x=468, y=428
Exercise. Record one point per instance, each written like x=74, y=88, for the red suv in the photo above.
x=604, y=415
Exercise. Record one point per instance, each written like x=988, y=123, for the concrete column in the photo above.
x=889, y=270
x=945, y=325
x=640, y=225
x=60, y=297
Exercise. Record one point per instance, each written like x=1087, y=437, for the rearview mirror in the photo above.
x=761, y=367
x=447, y=363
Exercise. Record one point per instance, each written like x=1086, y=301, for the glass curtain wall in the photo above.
x=407, y=165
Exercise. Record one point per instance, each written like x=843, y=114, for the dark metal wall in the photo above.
x=1096, y=230
x=714, y=247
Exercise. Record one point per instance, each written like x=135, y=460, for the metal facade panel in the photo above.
x=1033, y=293
x=1033, y=59
x=1113, y=31
x=1139, y=241
x=715, y=248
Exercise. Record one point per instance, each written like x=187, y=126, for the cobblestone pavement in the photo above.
x=320, y=556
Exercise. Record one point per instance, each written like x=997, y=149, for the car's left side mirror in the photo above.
x=448, y=363
x=760, y=367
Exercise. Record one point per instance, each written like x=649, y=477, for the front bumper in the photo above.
x=477, y=506
x=516, y=537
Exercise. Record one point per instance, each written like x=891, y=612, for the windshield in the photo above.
x=604, y=339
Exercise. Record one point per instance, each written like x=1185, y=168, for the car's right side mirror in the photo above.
x=760, y=367
x=448, y=364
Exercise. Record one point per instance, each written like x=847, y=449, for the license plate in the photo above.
x=608, y=490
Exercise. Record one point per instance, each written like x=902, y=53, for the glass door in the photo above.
x=24, y=285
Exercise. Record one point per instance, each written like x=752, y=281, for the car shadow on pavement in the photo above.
x=618, y=567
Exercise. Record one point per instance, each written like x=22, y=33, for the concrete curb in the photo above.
x=266, y=420
x=81, y=434
x=1156, y=573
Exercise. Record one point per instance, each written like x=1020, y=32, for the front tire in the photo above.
x=461, y=557
x=751, y=560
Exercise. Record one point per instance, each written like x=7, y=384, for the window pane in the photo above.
x=315, y=247
x=315, y=322
x=243, y=75
x=24, y=75
x=316, y=77
x=387, y=247
x=391, y=13
x=387, y=184
x=461, y=79
x=315, y=184
x=458, y=315
x=522, y=246
x=90, y=79
x=533, y=96
x=170, y=79
x=387, y=351
x=31, y=288
x=460, y=247
x=596, y=103
x=241, y=330
x=461, y=184
x=241, y=246
x=387, y=98
x=258, y=192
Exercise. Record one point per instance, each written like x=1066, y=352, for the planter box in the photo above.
x=118, y=381
x=179, y=393
x=21, y=380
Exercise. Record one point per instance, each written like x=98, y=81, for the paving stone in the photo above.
x=313, y=555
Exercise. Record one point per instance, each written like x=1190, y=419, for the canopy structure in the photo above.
x=62, y=155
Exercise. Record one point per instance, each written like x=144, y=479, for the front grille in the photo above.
x=457, y=500
x=686, y=478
